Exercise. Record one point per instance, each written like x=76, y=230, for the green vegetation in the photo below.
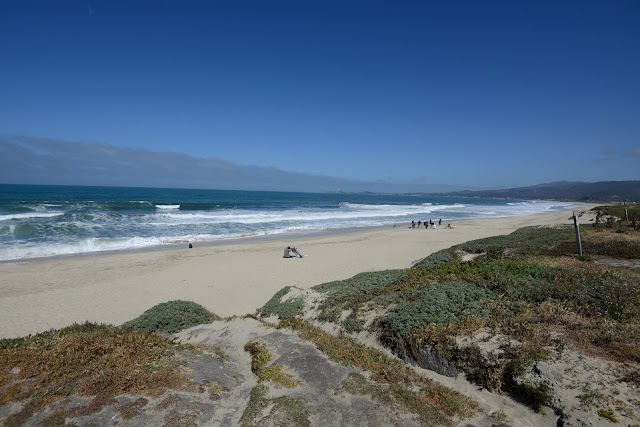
x=437, y=258
x=608, y=414
x=524, y=241
x=87, y=359
x=617, y=212
x=416, y=401
x=352, y=323
x=439, y=304
x=283, y=309
x=394, y=383
x=171, y=317
x=282, y=411
x=260, y=358
x=529, y=287
x=350, y=294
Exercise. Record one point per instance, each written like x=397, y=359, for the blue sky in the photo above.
x=462, y=93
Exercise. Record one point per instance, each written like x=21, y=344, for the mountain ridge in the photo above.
x=601, y=191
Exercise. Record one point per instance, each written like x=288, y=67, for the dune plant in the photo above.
x=281, y=411
x=286, y=309
x=390, y=381
x=358, y=288
x=437, y=258
x=87, y=359
x=260, y=358
x=171, y=317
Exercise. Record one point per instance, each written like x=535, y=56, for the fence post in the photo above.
x=577, y=227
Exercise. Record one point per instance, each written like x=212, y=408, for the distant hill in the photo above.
x=603, y=191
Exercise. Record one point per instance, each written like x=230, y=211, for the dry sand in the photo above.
x=232, y=279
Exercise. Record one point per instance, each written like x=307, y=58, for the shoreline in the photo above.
x=226, y=277
x=257, y=238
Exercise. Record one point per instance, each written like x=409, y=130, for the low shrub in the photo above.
x=260, y=358
x=283, y=309
x=604, y=242
x=359, y=287
x=509, y=276
x=349, y=294
x=86, y=359
x=438, y=304
x=171, y=317
x=437, y=258
x=422, y=330
x=281, y=411
x=352, y=323
x=526, y=240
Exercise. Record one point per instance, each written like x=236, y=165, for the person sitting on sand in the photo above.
x=288, y=250
x=448, y=226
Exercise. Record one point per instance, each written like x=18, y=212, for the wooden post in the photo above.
x=577, y=227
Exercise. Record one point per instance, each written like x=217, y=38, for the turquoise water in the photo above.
x=42, y=221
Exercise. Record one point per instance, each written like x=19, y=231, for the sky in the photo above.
x=319, y=95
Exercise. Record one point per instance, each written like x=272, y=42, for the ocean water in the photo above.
x=44, y=221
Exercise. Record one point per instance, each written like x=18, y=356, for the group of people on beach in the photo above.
x=428, y=224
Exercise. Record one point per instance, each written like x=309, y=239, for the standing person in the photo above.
x=419, y=222
x=413, y=224
x=426, y=225
x=440, y=222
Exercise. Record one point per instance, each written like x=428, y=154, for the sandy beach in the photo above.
x=228, y=279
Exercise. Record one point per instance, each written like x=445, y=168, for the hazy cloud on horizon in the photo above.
x=34, y=160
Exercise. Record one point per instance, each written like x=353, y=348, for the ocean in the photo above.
x=43, y=221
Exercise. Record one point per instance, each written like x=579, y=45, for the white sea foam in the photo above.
x=77, y=247
x=169, y=225
x=292, y=215
x=30, y=215
x=347, y=215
